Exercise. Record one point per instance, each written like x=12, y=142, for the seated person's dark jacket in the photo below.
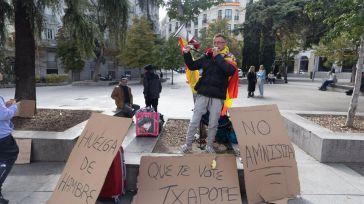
x=216, y=72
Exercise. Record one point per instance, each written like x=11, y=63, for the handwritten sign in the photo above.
x=90, y=159
x=268, y=156
x=188, y=179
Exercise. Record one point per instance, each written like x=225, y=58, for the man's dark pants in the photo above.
x=8, y=154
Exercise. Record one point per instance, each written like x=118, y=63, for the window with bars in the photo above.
x=219, y=14
x=228, y=13
x=236, y=16
x=204, y=19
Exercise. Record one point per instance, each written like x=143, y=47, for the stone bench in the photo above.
x=321, y=143
x=51, y=146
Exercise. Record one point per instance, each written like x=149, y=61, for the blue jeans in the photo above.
x=260, y=86
x=325, y=84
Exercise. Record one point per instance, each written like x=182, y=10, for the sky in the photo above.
x=162, y=13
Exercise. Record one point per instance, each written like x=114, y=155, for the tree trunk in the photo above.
x=172, y=76
x=355, y=96
x=24, y=54
x=98, y=64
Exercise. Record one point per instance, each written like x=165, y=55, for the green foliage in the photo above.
x=6, y=68
x=139, y=44
x=169, y=54
x=52, y=78
x=340, y=16
x=69, y=53
x=281, y=22
x=339, y=50
x=187, y=10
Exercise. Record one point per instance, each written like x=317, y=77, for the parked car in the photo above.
x=180, y=70
x=241, y=74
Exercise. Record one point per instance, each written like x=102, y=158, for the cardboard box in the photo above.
x=25, y=147
x=26, y=108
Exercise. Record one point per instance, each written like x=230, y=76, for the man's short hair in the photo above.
x=123, y=77
x=219, y=35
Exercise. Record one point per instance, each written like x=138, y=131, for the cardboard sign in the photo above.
x=90, y=160
x=188, y=179
x=26, y=108
x=268, y=156
x=25, y=146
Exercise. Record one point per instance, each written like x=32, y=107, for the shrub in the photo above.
x=51, y=78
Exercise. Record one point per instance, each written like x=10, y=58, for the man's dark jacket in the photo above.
x=152, y=85
x=216, y=72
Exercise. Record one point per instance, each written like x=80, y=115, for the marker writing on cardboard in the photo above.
x=199, y=195
x=97, y=142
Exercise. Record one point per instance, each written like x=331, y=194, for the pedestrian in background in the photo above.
x=124, y=98
x=332, y=79
x=8, y=148
x=252, y=81
x=271, y=78
x=261, y=80
x=152, y=87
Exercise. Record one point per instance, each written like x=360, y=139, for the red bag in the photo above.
x=114, y=184
x=147, y=124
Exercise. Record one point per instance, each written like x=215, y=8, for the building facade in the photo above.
x=232, y=10
x=47, y=61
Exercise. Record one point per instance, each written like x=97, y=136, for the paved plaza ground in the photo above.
x=320, y=183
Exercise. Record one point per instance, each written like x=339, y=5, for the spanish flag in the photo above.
x=192, y=76
x=233, y=86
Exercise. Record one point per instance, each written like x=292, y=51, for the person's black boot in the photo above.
x=2, y=199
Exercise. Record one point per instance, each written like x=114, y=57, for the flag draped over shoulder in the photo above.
x=233, y=86
x=192, y=76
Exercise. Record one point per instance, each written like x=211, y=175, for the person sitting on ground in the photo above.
x=271, y=78
x=124, y=99
x=331, y=80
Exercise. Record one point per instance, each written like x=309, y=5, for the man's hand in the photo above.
x=10, y=102
x=187, y=49
x=215, y=51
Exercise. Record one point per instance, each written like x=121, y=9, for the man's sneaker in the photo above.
x=210, y=149
x=185, y=148
x=3, y=200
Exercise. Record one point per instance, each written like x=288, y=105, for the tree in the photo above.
x=140, y=42
x=69, y=53
x=344, y=16
x=28, y=16
x=271, y=22
x=339, y=50
x=187, y=10
x=169, y=54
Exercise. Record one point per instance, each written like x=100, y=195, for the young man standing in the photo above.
x=211, y=89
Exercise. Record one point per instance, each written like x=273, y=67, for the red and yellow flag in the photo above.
x=233, y=86
x=192, y=76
